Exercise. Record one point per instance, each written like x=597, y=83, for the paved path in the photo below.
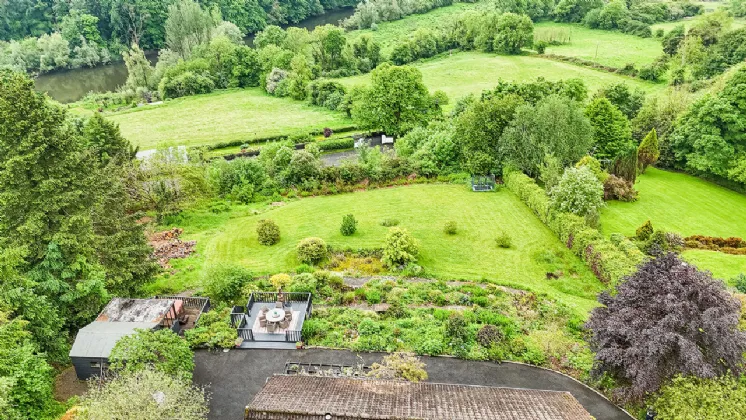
x=234, y=378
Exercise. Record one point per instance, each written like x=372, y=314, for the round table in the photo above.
x=275, y=315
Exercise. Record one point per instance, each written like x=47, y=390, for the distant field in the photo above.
x=472, y=72
x=609, y=48
x=680, y=203
x=222, y=116
x=667, y=26
x=471, y=254
x=722, y=266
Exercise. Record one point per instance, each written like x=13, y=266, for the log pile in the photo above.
x=167, y=246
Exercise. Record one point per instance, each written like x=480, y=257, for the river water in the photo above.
x=71, y=85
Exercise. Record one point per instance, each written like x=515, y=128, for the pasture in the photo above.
x=471, y=254
x=228, y=115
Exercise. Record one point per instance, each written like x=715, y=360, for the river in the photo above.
x=68, y=86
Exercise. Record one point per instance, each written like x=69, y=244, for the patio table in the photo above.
x=275, y=315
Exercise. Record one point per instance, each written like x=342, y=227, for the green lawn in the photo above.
x=609, y=48
x=722, y=266
x=423, y=209
x=680, y=203
x=222, y=116
x=472, y=72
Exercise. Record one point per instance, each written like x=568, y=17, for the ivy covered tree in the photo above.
x=649, y=150
x=396, y=102
x=665, y=320
x=611, y=131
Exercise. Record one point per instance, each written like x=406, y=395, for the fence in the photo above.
x=201, y=303
x=271, y=297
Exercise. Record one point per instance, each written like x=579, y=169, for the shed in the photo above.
x=341, y=398
x=93, y=344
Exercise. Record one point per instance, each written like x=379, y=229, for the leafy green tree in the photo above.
x=400, y=248
x=396, y=102
x=622, y=97
x=139, y=70
x=246, y=14
x=271, y=35
x=140, y=22
x=556, y=125
x=162, y=351
x=349, y=225
x=311, y=250
x=332, y=42
x=513, y=33
x=611, y=131
x=223, y=282
x=649, y=150
x=578, y=192
x=187, y=26
x=673, y=39
x=144, y=395
x=78, y=27
x=479, y=130
x=106, y=141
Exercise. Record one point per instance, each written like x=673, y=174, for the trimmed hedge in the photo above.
x=226, y=144
x=608, y=260
x=732, y=245
x=337, y=144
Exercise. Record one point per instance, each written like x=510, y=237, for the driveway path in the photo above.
x=234, y=378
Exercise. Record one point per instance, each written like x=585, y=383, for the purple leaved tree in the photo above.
x=668, y=318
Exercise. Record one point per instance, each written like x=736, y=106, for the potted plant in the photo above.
x=299, y=345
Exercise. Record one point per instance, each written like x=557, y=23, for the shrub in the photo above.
x=503, y=240
x=186, y=84
x=541, y=46
x=389, y=222
x=405, y=366
x=702, y=399
x=223, y=283
x=450, y=228
x=578, y=192
x=305, y=283
x=616, y=188
x=400, y=248
x=349, y=225
x=161, y=350
x=328, y=132
x=280, y=281
x=311, y=250
x=740, y=282
x=268, y=232
x=644, y=232
x=213, y=331
x=489, y=335
x=457, y=327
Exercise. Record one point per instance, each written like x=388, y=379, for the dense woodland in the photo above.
x=73, y=198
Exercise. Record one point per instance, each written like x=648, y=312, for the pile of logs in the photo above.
x=167, y=246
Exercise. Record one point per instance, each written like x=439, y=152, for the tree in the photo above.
x=332, y=42
x=396, y=102
x=513, y=33
x=578, y=191
x=611, y=132
x=702, y=399
x=187, y=26
x=25, y=377
x=349, y=225
x=140, y=22
x=479, y=130
x=139, y=70
x=162, y=351
x=144, y=395
x=246, y=14
x=649, y=151
x=673, y=39
x=626, y=100
x=79, y=27
x=105, y=141
x=556, y=125
x=665, y=320
x=400, y=248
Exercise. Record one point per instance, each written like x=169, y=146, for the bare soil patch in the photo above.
x=67, y=385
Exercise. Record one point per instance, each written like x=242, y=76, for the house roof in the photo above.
x=136, y=310
x=98, y=338
x=311, y=397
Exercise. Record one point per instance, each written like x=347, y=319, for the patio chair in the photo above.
x=263, y=322
x=284, y=324
x=288, y=316
x=288, y=312
x=271, y=327
x=264, y=310
x=279, y=305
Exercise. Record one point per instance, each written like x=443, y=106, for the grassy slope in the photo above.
x=471, y=72
x=680, y=203
x=687, y=205
x=222, y=116
x=609, y=48
x=423, y=210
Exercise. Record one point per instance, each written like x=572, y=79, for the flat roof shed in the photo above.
x=300, y=397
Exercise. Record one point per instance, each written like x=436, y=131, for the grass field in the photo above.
x=222, y=116
x=423, y=209
x=609, y=48
x=680, y=203
x=472, y=72
x=722, y=266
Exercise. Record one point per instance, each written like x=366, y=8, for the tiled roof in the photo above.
x=310, y=397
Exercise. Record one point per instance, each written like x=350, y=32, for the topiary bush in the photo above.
x=450, y=228
x=280, y=281
x=349, y=225
x=400, y=248
x=644, y=232
x=311, y=250
x=268, y=232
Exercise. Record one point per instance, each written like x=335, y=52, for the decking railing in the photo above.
x=271, y=297
x=201, y=303
x=240, y=316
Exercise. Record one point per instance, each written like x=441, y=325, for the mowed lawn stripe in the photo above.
x=472, y=254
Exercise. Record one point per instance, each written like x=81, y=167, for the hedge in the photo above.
x=337, y=144
x=609, y=261
x=234, y=143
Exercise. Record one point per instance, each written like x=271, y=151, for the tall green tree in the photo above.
x=139, y=70
x=140, y=22
x=396, y=101
x=649, y=150
x=612, y=134
x=187, y=26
